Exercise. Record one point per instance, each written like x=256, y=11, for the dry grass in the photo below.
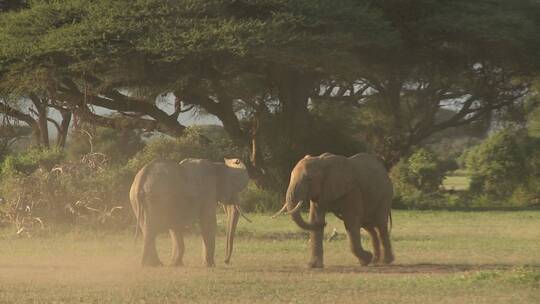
x=443, y=257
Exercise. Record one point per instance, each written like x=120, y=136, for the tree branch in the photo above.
x=114, y=100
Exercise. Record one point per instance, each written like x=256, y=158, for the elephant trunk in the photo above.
x=233, y=216
x=296, y=193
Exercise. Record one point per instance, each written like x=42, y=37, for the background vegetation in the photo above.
x=441, y=91
x=445, y=93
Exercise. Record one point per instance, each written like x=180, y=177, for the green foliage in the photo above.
x=193, y=144
x=245, y=49
x=330, y=129
x=83, y=186
x=422, y=171
x=260, y=200
x=118, y=145
x=9, y=134
x=411, y=56
x=53, y=195
x=29, y=161
x=534, y=123
x=504, y=168
x=533, y=119
x=334, y=130
x=497, y=164
x=418, y=182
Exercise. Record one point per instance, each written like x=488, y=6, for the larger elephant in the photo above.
x=166, y=195
x=357, y=189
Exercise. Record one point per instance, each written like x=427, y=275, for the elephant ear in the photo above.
x=230, y=181
x=338, y=178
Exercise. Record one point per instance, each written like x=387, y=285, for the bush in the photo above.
x=496, y=165
x=118, y=145
x=504, y=169
x=93, y=188
x=72, y=190
x=259, y=200
x=421, y=173
x=31, y=160
x=194, y=144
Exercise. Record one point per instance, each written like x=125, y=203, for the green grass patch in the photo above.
x=441, y=257
x=457, y=183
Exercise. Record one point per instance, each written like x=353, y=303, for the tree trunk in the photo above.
x=41, y=112
x=63, y=129
x=294, y=91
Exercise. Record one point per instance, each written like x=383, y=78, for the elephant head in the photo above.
x=321, y=179
x=232, y=179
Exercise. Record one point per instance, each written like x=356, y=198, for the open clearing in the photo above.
x=441, y=257
x=457, y=183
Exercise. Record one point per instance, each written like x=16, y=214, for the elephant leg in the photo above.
x=375, y=242
x=177, y=238
x=352, y=225
x=316, y=215
x=150, y=257
x=208, y=230
x=387, y=247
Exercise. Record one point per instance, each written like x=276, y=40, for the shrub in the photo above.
x=90, y=187
x=497, y=165
x=118, y=145
x=31, y=160
x=193, y=144
x=51, y=195
x=504, y=169
x=422, y=172
x=259, y=200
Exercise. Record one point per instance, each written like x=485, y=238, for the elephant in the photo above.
x=166, y=195
x=356, y=189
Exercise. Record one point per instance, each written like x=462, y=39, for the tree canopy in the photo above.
x=261, y=66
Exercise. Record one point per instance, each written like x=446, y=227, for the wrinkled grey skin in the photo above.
x=169, y=196
x=357, y=189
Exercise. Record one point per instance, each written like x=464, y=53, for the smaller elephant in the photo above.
x=166, y=195
x=356, y=189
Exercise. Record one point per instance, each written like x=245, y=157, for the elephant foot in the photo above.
x=152, y=263
x=388, y=259
x=176, y=264
x=209, y=264
x=365, y=258
x=315, y=264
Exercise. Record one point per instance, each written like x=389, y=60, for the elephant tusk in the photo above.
x=280, y=211
x=295, y=209
x=242, y=213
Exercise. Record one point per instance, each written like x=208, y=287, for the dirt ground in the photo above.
x=443, y=257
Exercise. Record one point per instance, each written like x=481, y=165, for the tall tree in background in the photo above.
x=257, y=64
x=474, y=58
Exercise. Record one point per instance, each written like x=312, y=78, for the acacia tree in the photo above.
x=223, y=56
x=257, y=64
x=474, y=58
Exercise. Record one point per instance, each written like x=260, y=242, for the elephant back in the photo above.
x=200, y=175
x=372, y=177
